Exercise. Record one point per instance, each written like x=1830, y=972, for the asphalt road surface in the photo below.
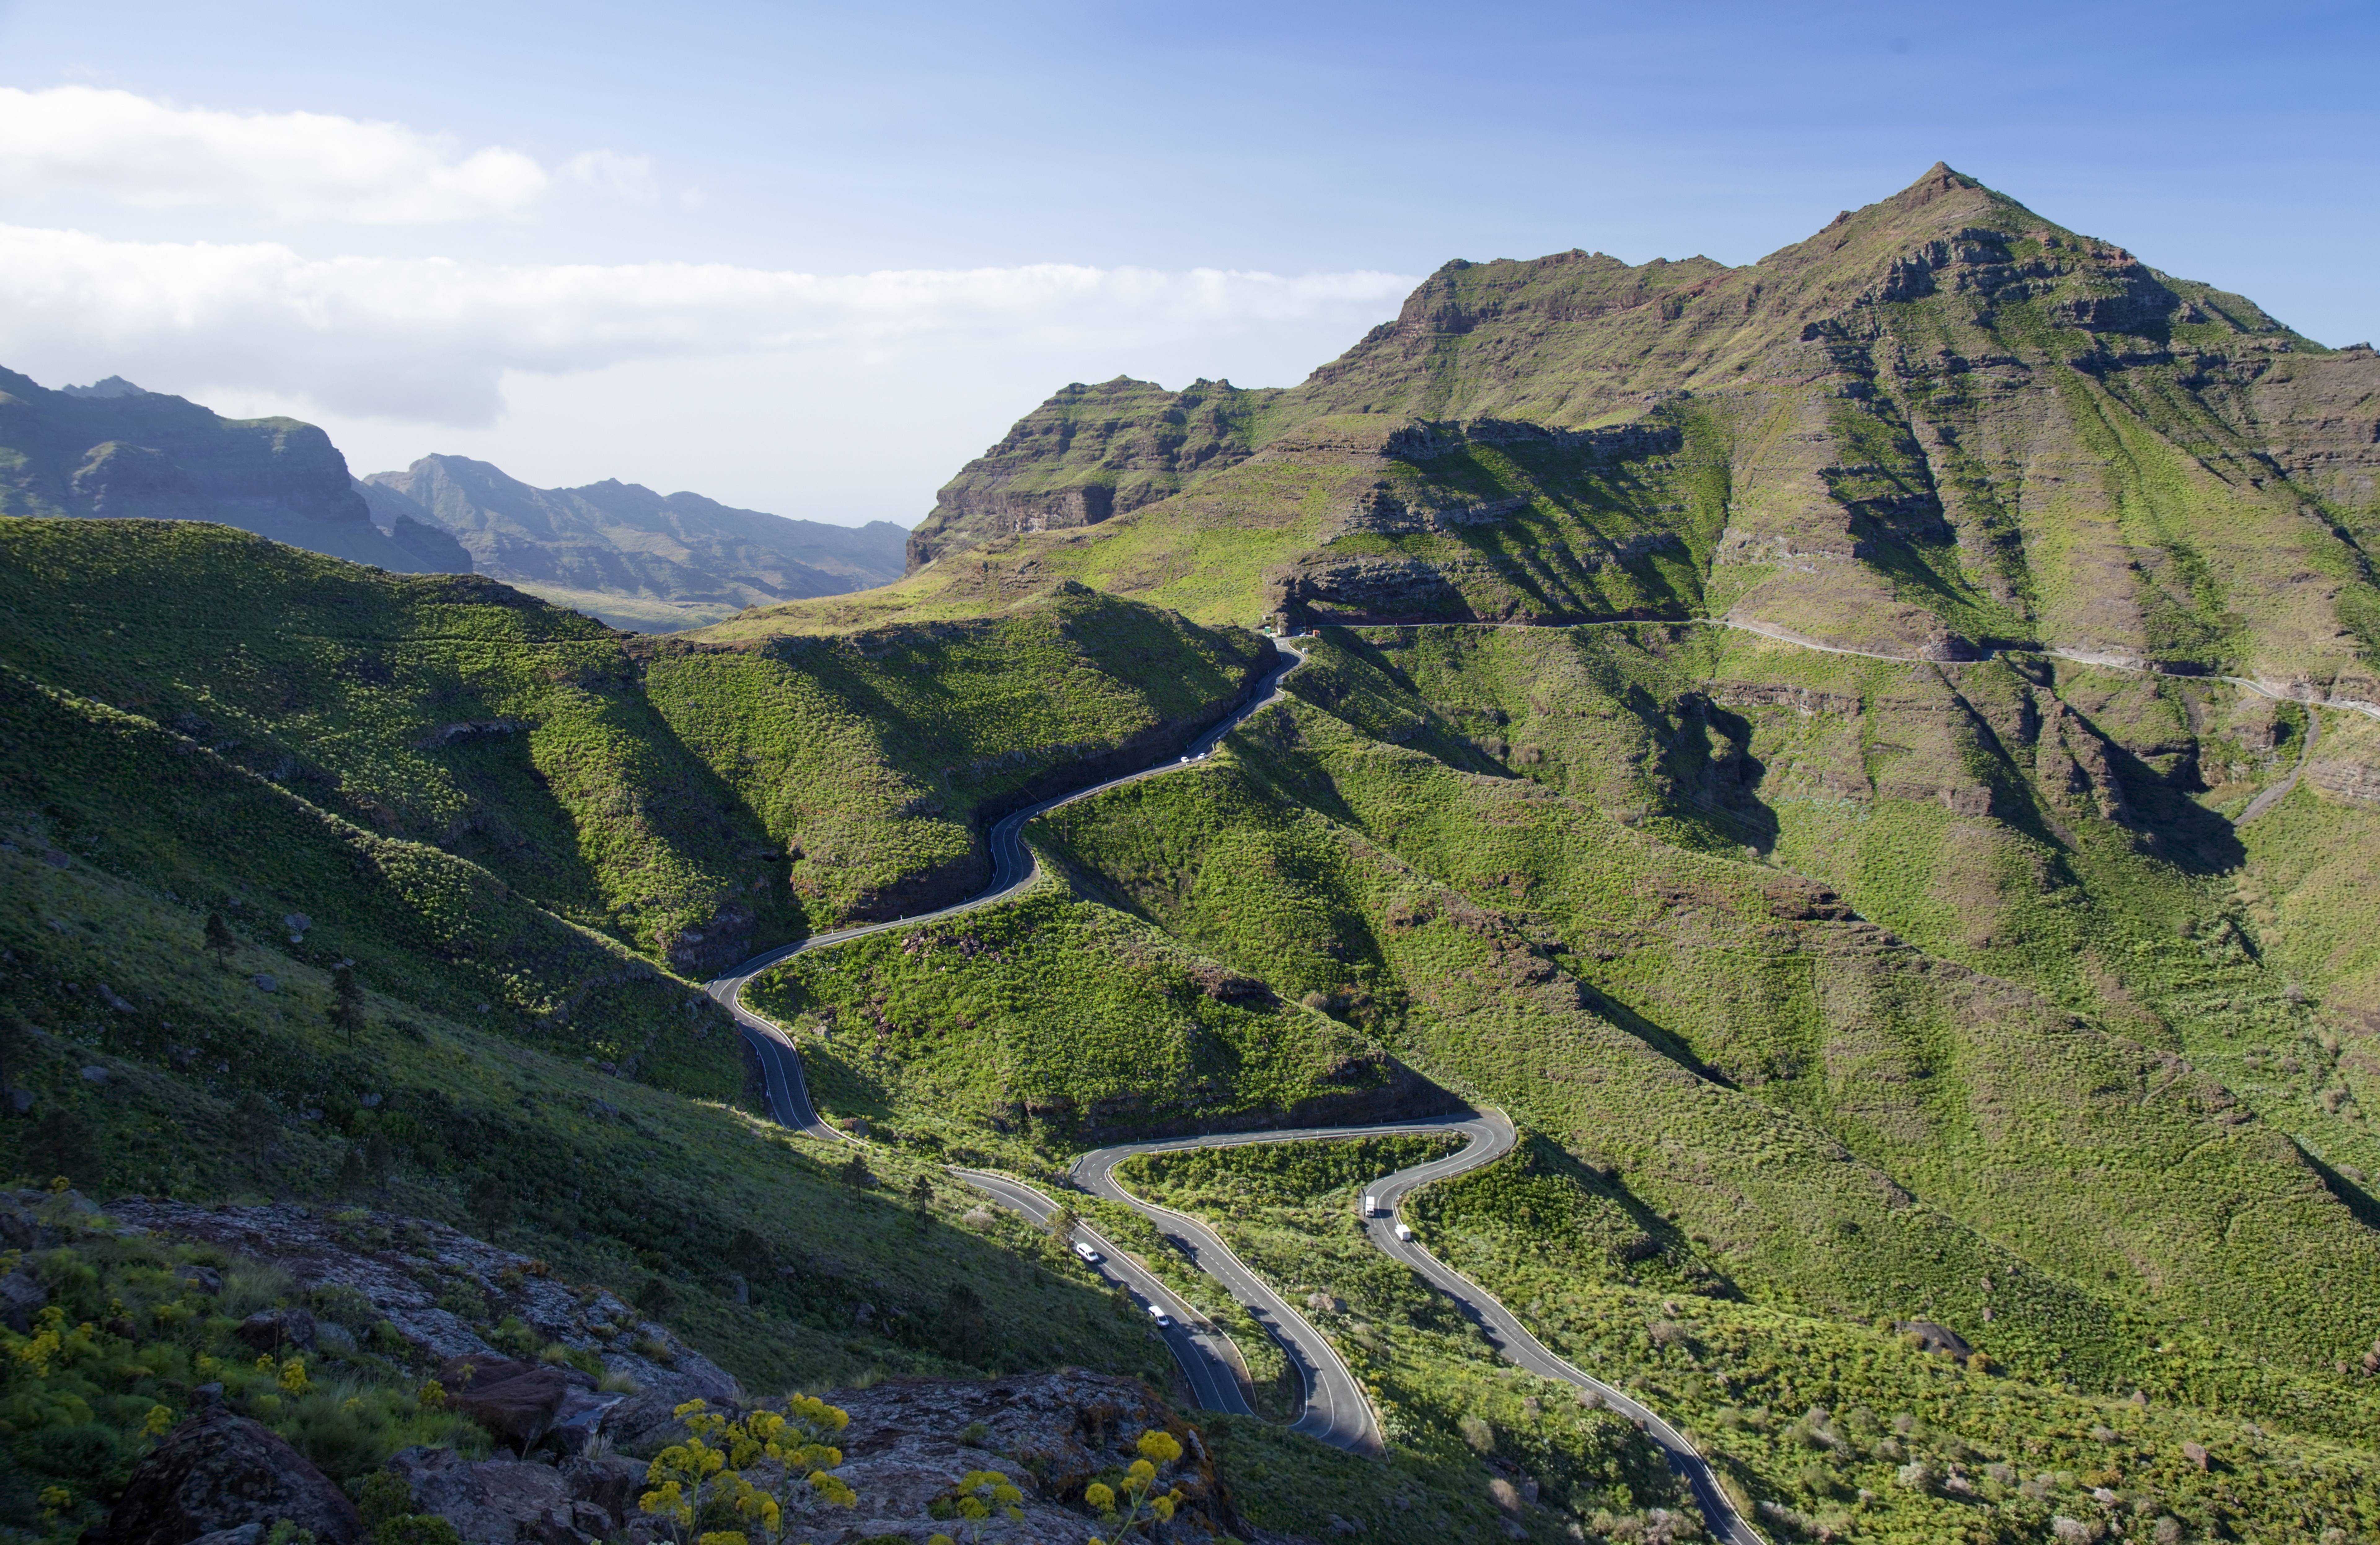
x=1195, y=1343
x=1337, y=1410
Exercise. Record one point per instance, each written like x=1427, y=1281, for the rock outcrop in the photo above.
x=508, y=1502
x=909, y=1444
x=390, y=1263
x=219, y=1471
x=1086, y=455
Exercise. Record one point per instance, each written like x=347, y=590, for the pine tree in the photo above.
x=220, y=940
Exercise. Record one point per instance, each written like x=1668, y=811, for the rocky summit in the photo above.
x=1672, y=902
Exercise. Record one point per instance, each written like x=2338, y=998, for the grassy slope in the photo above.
x=1748, y=1188
x=500, y=1119
x=1451, y=1414
x=1048, y=1017
x=1848, y=769
x=1203, y=552
x=438, y=707
x=1823, y=1417
x=870, y=759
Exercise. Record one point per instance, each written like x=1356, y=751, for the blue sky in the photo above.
x=810, y=258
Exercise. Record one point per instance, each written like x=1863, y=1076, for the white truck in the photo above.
x=1371, y=1205
x=1404, y=1234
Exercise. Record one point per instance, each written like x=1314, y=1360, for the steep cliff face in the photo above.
x=113, y=450
x=1087, y=453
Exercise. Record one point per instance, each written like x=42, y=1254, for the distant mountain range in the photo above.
x=637, y=559
x=113, y=449
x=621, y=551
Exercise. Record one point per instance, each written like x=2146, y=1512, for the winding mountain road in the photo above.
x=1337, y=1411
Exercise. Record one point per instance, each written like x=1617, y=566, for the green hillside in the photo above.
x=1871, y=757
x=875, y=760
x=508, y=1070
x=483, y=810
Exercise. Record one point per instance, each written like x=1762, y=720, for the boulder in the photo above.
x=507, y=1501
x=1935, y=1338
x=247, y=1534
x=21, y=1298
x=611, y=1484
x=218, y=1472
x=582, y=1415
x=518, y=1402
x=278, y=1331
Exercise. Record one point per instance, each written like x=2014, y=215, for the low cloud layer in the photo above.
x=313, y=167
x=431, y=339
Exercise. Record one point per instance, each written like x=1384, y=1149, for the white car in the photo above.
x=1090, y=1257
x=1164, y=1320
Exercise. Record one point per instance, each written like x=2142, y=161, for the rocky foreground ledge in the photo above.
x=220, y=1479
x=417, y=1312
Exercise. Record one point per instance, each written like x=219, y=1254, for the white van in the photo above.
x=1164, y=1320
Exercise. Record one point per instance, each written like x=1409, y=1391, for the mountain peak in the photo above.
x=1935, y=181
x=114, y=386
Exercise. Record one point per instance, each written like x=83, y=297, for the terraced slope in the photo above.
x=1087, y=453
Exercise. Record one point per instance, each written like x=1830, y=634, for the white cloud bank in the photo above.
x=430, y=339
x=113, y=144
